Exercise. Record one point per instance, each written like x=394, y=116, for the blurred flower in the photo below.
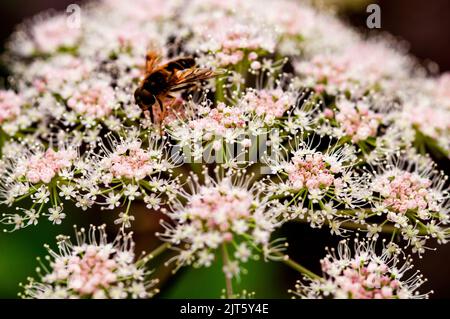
x=10, y=104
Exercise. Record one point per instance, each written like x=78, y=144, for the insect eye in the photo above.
x=143, y=97
x=148, y=99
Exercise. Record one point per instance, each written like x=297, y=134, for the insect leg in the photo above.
x=149, y=111
x=161, y=107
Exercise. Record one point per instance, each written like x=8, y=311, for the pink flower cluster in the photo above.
x=268, y=103
x=54, y=33
x=356, y=69
x=403, y=191
x=362, y=279
x=221, y=210
x=10, y=104
x=234, y=41
x=364, y=274
x=219, y=207
x=231, y=44
x=142, y=10
x=89, y=269
x=374, y=61
x=310, y=171
x=433, y=122
x=92, y=268
x=324, y=72
x=292, y=18
x=220, y=119
x=42, y=167
x=357, y=121
x=95, y=100
x=62, y=69
x=133, y=163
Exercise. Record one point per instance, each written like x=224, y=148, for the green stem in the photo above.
x=393, y=235
x=128, y=207
x=154, y=253
x=228, y=283
x=220, y=91
x=351, y=212
x=296, y=266
x=387, y=229
x=110, y=189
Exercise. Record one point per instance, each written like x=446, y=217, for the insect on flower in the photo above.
x=161, y=81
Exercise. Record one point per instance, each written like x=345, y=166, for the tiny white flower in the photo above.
x=56, y=215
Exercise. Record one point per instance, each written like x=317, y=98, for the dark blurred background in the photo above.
x=425, y=25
